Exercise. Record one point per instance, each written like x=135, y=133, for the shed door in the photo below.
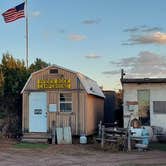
x=38, y=112
x=144, y=106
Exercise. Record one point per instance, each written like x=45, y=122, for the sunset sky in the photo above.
x=94, y=37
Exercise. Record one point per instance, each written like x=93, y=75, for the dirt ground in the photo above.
x=74, y=155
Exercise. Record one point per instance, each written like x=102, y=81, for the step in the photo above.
x=31, y=140
x=36, y=135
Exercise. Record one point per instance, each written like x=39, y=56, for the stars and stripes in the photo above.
x=14, y=13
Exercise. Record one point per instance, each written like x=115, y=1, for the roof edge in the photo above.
x=143, y=80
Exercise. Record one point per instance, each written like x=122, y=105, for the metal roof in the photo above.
x=90, y=85
x=143, y=80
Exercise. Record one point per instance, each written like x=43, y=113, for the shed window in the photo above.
x=66, y=102
x=159, y=107
x=53, y=71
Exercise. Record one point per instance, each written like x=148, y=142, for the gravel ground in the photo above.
x=74, y=155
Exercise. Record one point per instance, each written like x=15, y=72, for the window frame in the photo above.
x=155, y=112
x=53, y=72
x=65, y=102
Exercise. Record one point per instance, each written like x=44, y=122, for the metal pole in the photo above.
x=27, y=51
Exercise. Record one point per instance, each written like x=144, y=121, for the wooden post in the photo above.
x=129, y=140
x=53, y=132
x=102, y=136
x=129, y=135
x=100, y=127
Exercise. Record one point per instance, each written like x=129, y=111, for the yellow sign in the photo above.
x=54, y=84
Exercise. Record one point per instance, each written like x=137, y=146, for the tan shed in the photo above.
x=55, y=95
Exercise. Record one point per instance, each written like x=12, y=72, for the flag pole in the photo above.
x=27, y=44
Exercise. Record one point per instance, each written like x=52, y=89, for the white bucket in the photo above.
x=83, y=139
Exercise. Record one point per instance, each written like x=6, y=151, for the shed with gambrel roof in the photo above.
x=59, y=95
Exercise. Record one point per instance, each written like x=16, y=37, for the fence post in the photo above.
x=53, y=132
x=102, y=136
x=100, y=128
x=129, y=134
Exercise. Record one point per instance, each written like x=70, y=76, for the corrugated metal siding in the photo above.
x=64, y=135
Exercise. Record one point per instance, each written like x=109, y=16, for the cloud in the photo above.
x=125, y=62
x=146, y=64
x=92, y=56
x=142, y=28
x=151, y=38
x=111, y=72
x=36, y=13
x=131, y=29
x=127, y=44
x=77, y=37
x=151, y=29
x=91, y=21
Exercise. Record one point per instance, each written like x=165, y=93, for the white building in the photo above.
x=145, y=99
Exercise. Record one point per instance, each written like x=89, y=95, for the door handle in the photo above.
x=45, y=114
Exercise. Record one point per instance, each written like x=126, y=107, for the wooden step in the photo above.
x=35, y=137
x=31, y=140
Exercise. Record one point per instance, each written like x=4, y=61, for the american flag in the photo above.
x=14, y=13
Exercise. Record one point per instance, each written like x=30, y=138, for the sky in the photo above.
x=95, y=37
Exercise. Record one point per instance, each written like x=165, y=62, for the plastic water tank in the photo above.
x=83, y=139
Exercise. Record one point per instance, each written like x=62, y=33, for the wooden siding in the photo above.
x=75, y=119
x=94, y=113
x=81, y=113
x=62, y=119
x=87, y=110
x=44, y=75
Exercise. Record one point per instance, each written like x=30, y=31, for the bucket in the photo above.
x=83, y=139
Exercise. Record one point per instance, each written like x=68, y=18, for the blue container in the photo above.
x=145, y=135
x=83, y=139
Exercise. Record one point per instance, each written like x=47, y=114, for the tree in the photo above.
x=37, y=65
x=14, y=73
x=1, y=83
